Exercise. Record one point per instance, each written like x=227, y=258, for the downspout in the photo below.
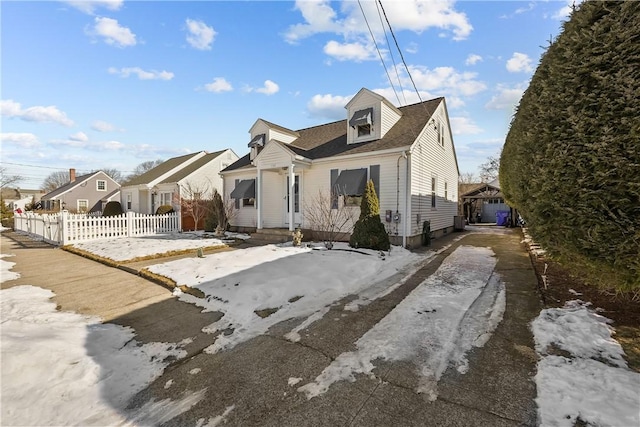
x=403, y=155
x=407, y=195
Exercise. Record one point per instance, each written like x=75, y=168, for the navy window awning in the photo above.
x=361, y=117
x=246, y=189
x=257, y=140
x=351, y=182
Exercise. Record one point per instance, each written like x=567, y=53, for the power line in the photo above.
x=379, y=54
x=400, y=51
x=395, y=66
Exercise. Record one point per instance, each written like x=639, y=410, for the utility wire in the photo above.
x=395, y=66
x=379, y=54
x=400, y=51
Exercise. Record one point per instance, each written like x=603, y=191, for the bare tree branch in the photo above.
x=329, y=223
x=6, y=179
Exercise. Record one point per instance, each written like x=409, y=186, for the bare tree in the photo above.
x=6, y=179
x=55, y=180
x=196, y=200
x=230, y=213
x=143, y=167
x=114, y=174
x=467, y=178
x=489, y=169
x=328, y=218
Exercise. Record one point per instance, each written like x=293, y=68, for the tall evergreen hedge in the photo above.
x=571, y=160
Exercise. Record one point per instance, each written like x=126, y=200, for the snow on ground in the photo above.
x=63, y=368
x=128, y=248
x=435, y=325
x=298, y=282
x=590, y=381
x=5, y=269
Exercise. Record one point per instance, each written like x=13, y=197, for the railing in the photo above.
x=65, y=228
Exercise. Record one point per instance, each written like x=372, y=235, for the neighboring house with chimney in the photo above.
x=84, y=193
x=407, y=152
x=191, y=176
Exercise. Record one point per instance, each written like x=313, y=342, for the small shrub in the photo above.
x=164, y=209
x=112, y=209
x=369, y=232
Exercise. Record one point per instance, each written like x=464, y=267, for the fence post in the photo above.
x=62, y=227
x=130, y=215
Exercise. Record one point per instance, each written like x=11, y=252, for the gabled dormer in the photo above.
x=263, y=131
x=369, y=117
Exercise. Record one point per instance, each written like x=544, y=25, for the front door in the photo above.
x=297, y=218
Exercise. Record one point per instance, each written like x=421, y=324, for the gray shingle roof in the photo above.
x=159, y=170
x=69, y=185
x=192, y=167
x=329, y=140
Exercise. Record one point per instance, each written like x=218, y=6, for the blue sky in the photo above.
x=110, y=84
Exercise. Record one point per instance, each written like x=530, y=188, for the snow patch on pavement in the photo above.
x=217, y=420
x=5, y=270
x=63, y=368
x=426, y=327
x=289, y=282
x=592, y=383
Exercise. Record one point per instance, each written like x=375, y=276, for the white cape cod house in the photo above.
x=165, y=183
x=408, y=152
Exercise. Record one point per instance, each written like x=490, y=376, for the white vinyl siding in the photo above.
x=430, y=159
x=389, y=117
x=243, y=217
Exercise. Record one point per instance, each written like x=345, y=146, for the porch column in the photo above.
x=259, y=199
x=291, y=196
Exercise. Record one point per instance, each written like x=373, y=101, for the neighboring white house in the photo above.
x=408, y=152
x=85, y=193
x=169, y=182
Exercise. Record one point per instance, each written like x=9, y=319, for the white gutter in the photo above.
x=407, y=195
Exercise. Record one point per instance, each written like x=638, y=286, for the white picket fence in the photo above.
x=65, y=228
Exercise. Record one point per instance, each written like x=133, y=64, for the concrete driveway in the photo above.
x=254, y=384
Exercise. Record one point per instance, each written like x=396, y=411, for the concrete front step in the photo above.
x=276, y=235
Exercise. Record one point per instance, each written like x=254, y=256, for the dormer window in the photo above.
x=364, y=130
x=362, y=121
x=256, y=144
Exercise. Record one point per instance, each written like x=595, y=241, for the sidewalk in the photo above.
x=254, y=377
x=91, y=288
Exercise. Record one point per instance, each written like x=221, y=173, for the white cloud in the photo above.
x=108, y=146
x=102, y=126
x=219, y=84
x=564, y=12
x=89, y=6
x=114, y=33
x=40, y=114
x=142, y=74
x=200, y=35
x=519, y=62
x=328, y=106
x=464, y=126
x=445, y=80
x=412, y=48
x=417, y=16
x=22, y=140
x=357, y=51
x=506, y=98
x=79, y=136
x=269, y=88
x=472, y=59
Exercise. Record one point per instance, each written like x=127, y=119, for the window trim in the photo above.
x=98, y=181
x=434, y=186
x=78, y=205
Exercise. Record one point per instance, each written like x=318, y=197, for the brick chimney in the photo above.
x=72, y=175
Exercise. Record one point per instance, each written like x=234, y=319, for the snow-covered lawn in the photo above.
x=290, y=282
x=591, y=380
x=125, y=249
